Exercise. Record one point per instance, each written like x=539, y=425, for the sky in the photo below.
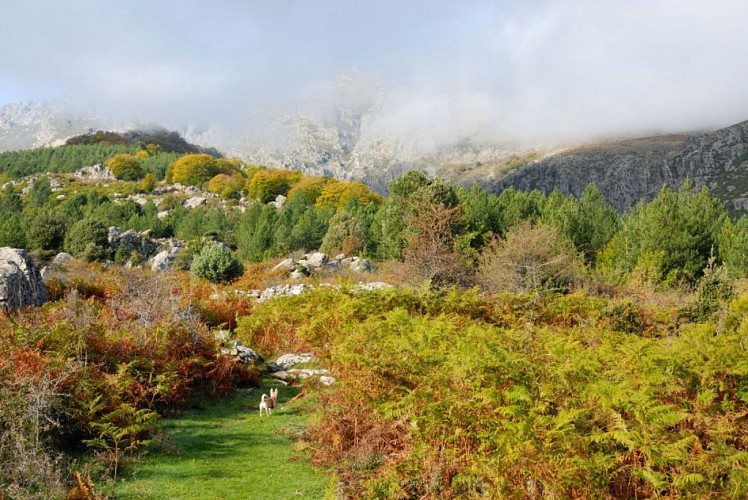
x=505, y=69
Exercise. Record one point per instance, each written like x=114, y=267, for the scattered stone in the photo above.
x=133, y=241
x=162, y=260
x=163, y=215
x=358, y=264
x=60, y=197
x=21, y=283
x=97, y=172
x=194, y=202
x=283, y=290
x=317, y=260
x=327, y=380
x=243, y=355
x=374, y=285
x=138, y=198
x=286, y=361
x=279, y=201
x=62, y=258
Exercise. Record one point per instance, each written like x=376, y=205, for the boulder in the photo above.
x=279, y=201
x=240, y=353
x=62, y=258
x=95, y=173
x=21, y=283
x=317, y=260
x=133, y=241
x=286, y=361
x=195, y=202
x=358, y=264
x=162, y=260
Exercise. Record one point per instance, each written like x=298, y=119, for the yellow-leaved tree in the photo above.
x=192, y=170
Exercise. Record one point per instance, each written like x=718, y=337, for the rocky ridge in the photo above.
x=629, y=170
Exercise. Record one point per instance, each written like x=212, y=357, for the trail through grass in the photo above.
x=226, y=451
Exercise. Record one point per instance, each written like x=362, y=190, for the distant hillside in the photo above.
x=169, y=141
x=629, y=170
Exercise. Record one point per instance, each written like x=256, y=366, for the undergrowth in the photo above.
x=452, y=394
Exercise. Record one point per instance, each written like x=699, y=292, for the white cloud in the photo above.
x=530, y=70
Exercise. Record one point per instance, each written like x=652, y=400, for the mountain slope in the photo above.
x=629, y=170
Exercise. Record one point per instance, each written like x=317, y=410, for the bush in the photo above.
x=266, y=185
x=192, y=170
x=228, y=186
x=530, y=259
x=148, y=183
x=87, y=236
x=338, y=194
x=125, y=167
x=216, y=263
x=46, y=232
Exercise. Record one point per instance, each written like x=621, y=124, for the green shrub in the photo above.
x=216, y=263
x=46, y=232
x=85, y=236
x=148, y=183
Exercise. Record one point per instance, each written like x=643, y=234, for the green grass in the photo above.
x=225, y=450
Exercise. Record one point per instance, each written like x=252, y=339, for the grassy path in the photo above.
x=226, y=451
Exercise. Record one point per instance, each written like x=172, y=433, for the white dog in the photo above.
x=268, y=403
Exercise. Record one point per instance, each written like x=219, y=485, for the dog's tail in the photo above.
x=264, y=396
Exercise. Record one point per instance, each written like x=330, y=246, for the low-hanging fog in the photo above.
x=426, y=71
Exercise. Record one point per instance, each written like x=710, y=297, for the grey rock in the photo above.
x=194, y=202
x=162, y=260
x=279, y=201
x=21, y=283
x=97, y=172
x=358, y=264
x=375, y=285
x=317, y=260
x=133, y=241
x=62, y=258
x=283, y=290
x=163, y=214
x=327, y=380
x=243, y=355
x=287, y=361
